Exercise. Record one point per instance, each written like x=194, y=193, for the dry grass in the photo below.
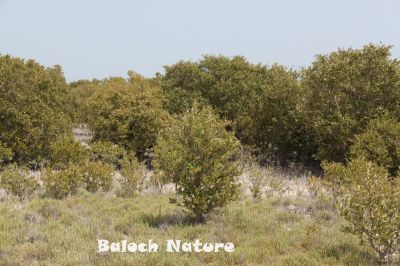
x=284, y=226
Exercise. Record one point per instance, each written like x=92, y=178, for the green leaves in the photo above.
x=129, y=115
x=198, y=155
x=34, y=108
x=17, y=181
x=65, y=151
x=380, y=143
x=62, y=183
x=370, y=202
x=345, y=90
x=263, y=103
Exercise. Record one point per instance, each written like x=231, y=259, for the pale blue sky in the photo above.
x=96, y=39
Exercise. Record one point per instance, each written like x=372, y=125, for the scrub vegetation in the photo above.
x=295, y=167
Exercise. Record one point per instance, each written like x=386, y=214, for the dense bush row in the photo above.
x=304, y=116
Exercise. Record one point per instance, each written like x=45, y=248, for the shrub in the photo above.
x=65, y=151
x=257, y=182
x=316, y=186
x=127, y=114
x=107, y=152
x=62, y=183
x=132, y=176
x=97, y=175
x=34, y=106
x=274, y=124
x=198, y=155
x=370, y=202
x=262, y=102
x=5, y=154
x=81, y=91
x=182, y=84
x=380, y=143
x=345, y=90
x=228, y=84
x=17, y=181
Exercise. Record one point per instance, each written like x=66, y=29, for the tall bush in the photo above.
x=107, y=152
x=127, y=114
x=198, y=155
x=262, y=102
x=35, y=107
x=345, y=90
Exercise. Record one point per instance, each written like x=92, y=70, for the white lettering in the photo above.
x=103, y=245
x=171, y=245
x=229, y=247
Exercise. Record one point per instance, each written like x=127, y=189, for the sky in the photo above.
x=98, y=39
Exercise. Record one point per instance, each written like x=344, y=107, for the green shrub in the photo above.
x=81, y=91
x=16, y=181
x=97, y=175
x=274, y=122
x=132, y=176
x=380, y=143
x=344, y=91
x=66, y=151
x=257, y=182
x=262, y=102
x=35, y=107
x=5, y=154
x=182, y=84
x=107, y=152
x=370, y=202
x=62, y=183
x=198, y=155
x=127, y=114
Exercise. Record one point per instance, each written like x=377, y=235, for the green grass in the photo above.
x=273, y=231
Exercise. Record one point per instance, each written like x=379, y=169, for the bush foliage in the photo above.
x=17, y=181
x=97, y=175
x=129, y=114
x=62, y=183
x=133, y=174
x=262, y=102
x=380, y=143
x=344, y=91
x=107, y=152
x=370, y=202
x=198, y=155
x=35, y=108
x=66, y=151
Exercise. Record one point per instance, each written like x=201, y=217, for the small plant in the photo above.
x=97, y=175
x=62, y=183
x=316, y=186
x=17, y=181
x=276, y=184
x=257, y=180
x=198, y=155
x=132, y=176
x=370, y=202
